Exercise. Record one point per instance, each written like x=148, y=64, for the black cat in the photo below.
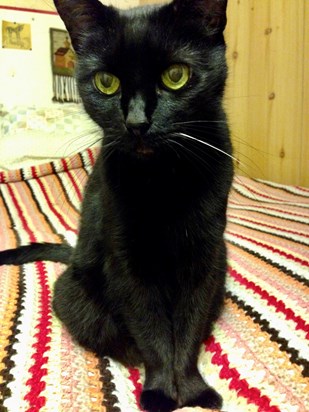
x=146, y=279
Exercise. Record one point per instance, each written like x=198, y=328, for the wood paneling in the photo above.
x=265, y=96
x=305, y=121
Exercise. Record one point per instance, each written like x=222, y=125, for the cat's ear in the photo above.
x=213, y=12
x=81, y=16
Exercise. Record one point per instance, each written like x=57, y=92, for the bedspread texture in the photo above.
x=257, y=356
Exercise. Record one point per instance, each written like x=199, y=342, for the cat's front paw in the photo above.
x=154, y=400
x=209, y=398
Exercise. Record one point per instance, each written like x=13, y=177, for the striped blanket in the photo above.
x=257, y=356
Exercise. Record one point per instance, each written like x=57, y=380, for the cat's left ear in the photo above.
x=81, y=16
x=213, y=12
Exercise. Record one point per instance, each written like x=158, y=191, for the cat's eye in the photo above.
x=106, y=83
x=176, y=76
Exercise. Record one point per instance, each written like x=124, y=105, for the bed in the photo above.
x=258, y=354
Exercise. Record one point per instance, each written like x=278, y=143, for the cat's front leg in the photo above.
x=150, y=326
x=192, y=321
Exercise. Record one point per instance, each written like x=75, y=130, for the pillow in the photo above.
x=30, y=136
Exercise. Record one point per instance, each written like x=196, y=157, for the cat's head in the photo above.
x=143, y=72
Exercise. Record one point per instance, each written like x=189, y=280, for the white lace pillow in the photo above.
x=30, y=136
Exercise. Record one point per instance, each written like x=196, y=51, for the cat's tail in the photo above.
x=35, y=252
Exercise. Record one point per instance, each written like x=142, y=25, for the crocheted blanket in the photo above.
x=257, y=356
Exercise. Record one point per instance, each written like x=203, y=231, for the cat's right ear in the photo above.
x=212, y=13
x=81, y=16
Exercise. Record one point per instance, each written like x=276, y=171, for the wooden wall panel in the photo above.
x=239, y=94
x=264, y=96
x=305, y=143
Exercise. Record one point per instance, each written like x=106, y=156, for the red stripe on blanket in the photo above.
x=58, y=215
x=272, y=301
x=273, y=249
x=32, y=236
x=259, y=223
x=303, y=189
x=37, y=370
x=241, y=386
x=34, y=172
x=2, y=177
x=60, y=218
x=250, y=189
x=73, y=181
x=135, y=378
x=65, y=165
x=91, y=157
x=264, y=208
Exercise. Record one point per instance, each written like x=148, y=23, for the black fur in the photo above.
x=146, y=279
x=36, y=251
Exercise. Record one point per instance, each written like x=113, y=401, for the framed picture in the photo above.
x=62, y=53
x=16, y=35
x=63, y=61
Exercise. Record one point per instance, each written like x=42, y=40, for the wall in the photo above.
x=268, y=91
x=26, y=76
x=48, y=5
x=304, y=150
x=30, y=4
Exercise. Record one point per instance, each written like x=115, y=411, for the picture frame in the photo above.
x=63, y=56
x=16, y=35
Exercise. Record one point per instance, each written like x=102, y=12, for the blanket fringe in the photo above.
x=65, y=89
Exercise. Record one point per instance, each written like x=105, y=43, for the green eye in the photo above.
x=176, y=76
x=106, y=83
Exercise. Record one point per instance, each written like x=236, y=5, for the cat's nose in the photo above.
x=137, y=121
x=138, y=129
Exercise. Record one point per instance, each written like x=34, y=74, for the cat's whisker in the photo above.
x=242, y=170
x=249, y=160
x=236, y=177
x=200, y=128
x=238, y=162
x=87, y=138
x=187, y=136
x=70, y=187
x=106, y=145
x=84, y=146
x=192, y=155
x=206, y=125
x=174, y=150
x=199, y=121
x=205, y=164
x=109, y=148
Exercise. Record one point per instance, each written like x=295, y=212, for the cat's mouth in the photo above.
x=142, y=148
x=144, y=151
